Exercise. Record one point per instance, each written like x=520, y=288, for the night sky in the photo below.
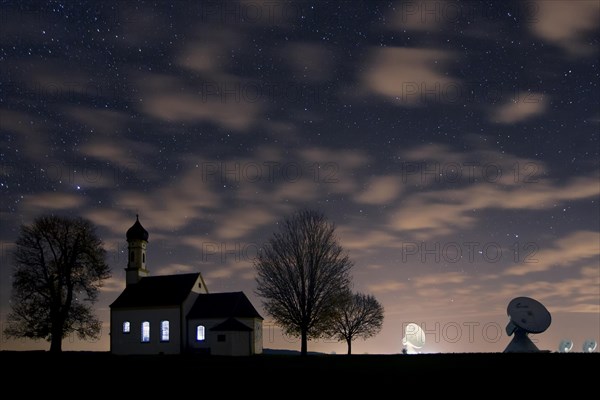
x=454, y=145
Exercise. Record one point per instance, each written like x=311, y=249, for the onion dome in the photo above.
x=137, y=231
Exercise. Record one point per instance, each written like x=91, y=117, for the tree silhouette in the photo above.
x=359, y=315
x=302, y=273
x=59, y=266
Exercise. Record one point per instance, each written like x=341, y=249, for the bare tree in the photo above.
x=359, y=315
x=302, y=272
x=59, y=266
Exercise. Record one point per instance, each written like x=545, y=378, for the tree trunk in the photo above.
x=56, y=340
x=304, y=342
x=349, y=341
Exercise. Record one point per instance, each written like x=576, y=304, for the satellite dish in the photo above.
x=413, y=340
x=565, y=346
x=589, y=346
x=526, y=316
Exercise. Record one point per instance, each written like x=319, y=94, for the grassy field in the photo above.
x=97, y=367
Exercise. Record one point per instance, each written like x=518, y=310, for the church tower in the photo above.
x=137, y=239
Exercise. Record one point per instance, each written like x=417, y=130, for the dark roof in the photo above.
x=222, y=305
x=232, y=324
x=137, y=231
x=154, y=291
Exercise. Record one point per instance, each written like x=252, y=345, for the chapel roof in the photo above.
x=156, y=291
x=219, y=305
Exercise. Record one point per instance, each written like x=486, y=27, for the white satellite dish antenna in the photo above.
x=526, y=316
x=589, y=346
x=414, y=339
x=565, y=346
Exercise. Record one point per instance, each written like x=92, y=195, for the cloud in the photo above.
x=240, y=222
x=300, y=191
x=387, y=286
x=248, y=276
x=439, y=279
x=234, y=266
x=209, y=50
x=566, y=252
x=408, y=76
x=576, y=293
x=224, y=100
x=427, y=220
x=175, y=269
x=365, y=239
x=435, y=151
x=113, y=285
x=568, y=24
x=440, y=212
x=203, y=243
x=52, y=201
x=309, y=62
x=175, y=204
x=109, y=151
x=380, y=190
x=525, y=106
x=467, y=166
x=116, y=221
x=431, y=164
x=222, y=273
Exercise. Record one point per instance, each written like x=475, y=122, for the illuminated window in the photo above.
x=126, y=327
x=220, y=338
x=145, y=332
x=200, y=333
x=164, y=331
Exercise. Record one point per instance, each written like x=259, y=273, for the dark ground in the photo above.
x=102, y=373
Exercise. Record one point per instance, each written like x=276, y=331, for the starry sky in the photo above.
x=455, y=145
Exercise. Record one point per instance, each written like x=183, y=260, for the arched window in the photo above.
x=164, y=331
x=200, y=333
x=143, y=257
x=126, y=327
x=145, y=332
x=132, y=256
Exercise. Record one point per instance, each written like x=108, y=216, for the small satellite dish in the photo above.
x=526, y=316
x=565, y=346
x=589, y=346
x=413, y=340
